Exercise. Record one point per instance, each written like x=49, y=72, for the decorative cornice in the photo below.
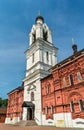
x=36, y=73
x=39, y=62
x=38, y=44
x=69, y=60
x=16, y=89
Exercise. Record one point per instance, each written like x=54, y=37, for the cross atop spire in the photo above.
x=73, y=41
x=39, y=13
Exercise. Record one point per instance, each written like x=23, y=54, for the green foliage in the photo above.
x=0, y=102
x=3, y=102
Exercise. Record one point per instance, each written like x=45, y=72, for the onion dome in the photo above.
x=39, y=18
x=74, y=47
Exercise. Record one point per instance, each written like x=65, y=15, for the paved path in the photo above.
x=11, y=127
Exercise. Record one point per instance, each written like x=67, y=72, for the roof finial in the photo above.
x=74, y=46
x=73, y=41
x=39, y=13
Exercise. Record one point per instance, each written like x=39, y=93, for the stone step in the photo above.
x=26, y=123
x=31, y=122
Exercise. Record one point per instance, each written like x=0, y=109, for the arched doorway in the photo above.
x=29, y=117
x=30, y=113
x=30, y=107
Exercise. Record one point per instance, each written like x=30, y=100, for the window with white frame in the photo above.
x=32, y=96
x=71, y=79
x=48, y=89
x=46, y=110
x=72, y=106
x=79, y=77
x=47, y=56
x=52, y=109
x=81, y=105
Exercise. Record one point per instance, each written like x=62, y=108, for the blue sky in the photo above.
x=64, y=17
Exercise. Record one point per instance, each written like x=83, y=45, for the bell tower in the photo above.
x=40, y=57
x=40, y=30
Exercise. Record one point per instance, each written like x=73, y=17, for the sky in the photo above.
x=64, y=17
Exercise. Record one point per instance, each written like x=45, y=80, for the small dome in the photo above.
x=74, y=47
x=39, y=17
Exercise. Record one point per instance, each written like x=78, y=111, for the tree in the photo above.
x=0, y=102
x=3, y=102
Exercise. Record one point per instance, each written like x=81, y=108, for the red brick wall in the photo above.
x=2, y=114
x=48, y=98
x=2, y=118
x=62, y=92
x=15, y=101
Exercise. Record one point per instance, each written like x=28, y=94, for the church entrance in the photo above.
x=30, y=107
x=30, y=113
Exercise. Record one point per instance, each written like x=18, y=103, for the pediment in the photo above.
x=31, y=87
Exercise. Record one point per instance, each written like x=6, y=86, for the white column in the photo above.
x=24, y=113
x=31, y=39
x=50, y=58
x=39, y=31
x=40, y=55
x=54, y=59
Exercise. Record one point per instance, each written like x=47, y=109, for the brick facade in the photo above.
x=62, y=95
x=2, y=114
x=15, y=101
x=63, y=90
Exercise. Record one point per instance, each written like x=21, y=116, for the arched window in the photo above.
x=32, y=96
x=45, y=36
x=52, y=109
x=81, y=104
x=32, y=57
x=79, y=77
x=71, y=79
x=34, y=37
x=46, y=110
x=47, y=56
x=48, y=89
x=72, y=106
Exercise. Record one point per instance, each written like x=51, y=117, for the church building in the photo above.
x=40, y=57
x=51, y=93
